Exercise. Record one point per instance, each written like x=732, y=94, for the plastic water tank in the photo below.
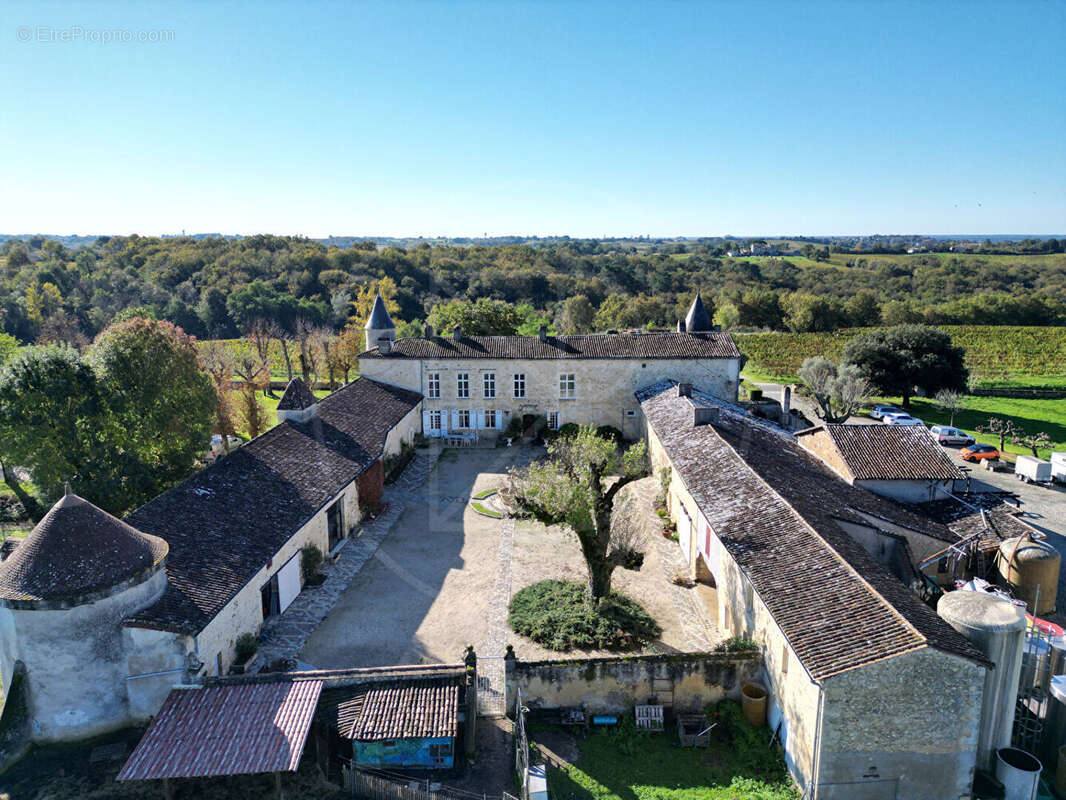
x=1030, y=565
x=997, y=628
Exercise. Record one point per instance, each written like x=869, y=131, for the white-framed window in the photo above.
x=462, y=385
x=433, y=384
x=567, y=385
x=489, y=384
x=553, y=420
x=435, y=421
x=490, y=418
x=520, y=384
x=464, y=418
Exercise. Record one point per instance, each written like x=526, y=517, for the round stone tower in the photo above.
x=379, y=327
x=64, y=593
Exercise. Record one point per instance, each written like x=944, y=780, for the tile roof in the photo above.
x=401, y=709
x=227, y=521
x=226, y=730
x=297, y=396
x=76, y=550
x=889, y=452
x=600, y=345
x=775, y=507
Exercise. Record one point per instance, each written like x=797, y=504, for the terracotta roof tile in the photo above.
x=227, y=521
x=775, y=507
x=604, y=345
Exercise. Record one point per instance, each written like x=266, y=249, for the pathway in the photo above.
x=283, y=636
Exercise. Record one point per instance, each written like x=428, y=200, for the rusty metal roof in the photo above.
x=226, y=730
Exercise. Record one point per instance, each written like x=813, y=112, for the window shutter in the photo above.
x=499, y=420
x=425, y=425
x=479, y=420
x=455, y=420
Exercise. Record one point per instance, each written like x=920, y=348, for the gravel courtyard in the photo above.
x=444, y=574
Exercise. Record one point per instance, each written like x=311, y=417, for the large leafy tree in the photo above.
x=483, y=317
x=899, y=360
x=54, y=423
x=158, y=396
x=577, y=486
x=839, y=391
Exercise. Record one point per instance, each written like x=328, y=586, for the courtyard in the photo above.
x=444, y=574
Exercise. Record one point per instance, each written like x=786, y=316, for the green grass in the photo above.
x=630, y=765
x=488, y=512
x=1031, y=416
x=485, y=493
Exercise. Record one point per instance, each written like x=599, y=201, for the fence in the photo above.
x=521, y=746
x=379, y=787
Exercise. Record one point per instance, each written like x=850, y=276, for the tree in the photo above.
x=217, y=361
x=760, y=308
x=805, y=313
x=727, y=317
x=1033, y=441
x=839, y=392
x=863, y=309
x=261, y=334
x=54, y=423
x=1003, y=428
x=576, y=315
x=573, y=487
x=9, y=345
x=951, y=401
x=484, y=317
x=159, y=397
x=898, y=360
x=348, y=345
x=364, y=300
x=254, y=374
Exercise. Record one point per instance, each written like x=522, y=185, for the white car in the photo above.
x=877, y=412
x=903, y=420
x=945, y=434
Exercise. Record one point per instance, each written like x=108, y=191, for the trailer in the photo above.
x=1058, y=467
x=1032, y=470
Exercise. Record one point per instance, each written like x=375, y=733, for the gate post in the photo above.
x=470, y=731
x=509, y=681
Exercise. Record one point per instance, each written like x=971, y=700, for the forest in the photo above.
x=210, y=286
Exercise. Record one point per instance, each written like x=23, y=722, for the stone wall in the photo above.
x=403, y=432
x=910, y=721
x=615, y=685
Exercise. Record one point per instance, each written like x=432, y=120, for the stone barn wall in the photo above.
x=615, y=685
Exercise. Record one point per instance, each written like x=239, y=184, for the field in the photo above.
x=997, y=356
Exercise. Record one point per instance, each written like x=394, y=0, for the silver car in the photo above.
x=945, y=434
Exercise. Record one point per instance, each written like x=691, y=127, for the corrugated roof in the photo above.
x=77, y=549
x=889, y=452
x=227, y=521
x=601, y=345
x=226, y=730
x=775, y=507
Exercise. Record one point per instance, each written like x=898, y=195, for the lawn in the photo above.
x=1031, y=416
x=628, y=765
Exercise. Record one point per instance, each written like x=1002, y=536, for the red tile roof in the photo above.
x=601, y=345
x=226, y=730
x=775, y=507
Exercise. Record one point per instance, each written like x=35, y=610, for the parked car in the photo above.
x=877, y=412
x=904, y=420
x=978, y=452
x=945, y=434
x=1032, y=470
x=218, y=449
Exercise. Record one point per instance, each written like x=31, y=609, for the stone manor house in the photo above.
x=801, y=543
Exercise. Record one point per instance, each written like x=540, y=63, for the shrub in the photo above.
x=735, y=644
x=514, y=427
x=558, y=615
x=750, y=746
x=247, y=645
x=610, y=432
x=569, y=429
x=310, y=561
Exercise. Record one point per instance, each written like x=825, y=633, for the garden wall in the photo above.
x=689, y=680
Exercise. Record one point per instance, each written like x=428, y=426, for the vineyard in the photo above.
x=997, y=356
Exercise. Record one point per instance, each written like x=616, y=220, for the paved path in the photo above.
x=284, y=635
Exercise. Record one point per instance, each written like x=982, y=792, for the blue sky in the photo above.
x=584, y=118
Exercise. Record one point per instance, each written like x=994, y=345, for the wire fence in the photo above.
x=379, y=784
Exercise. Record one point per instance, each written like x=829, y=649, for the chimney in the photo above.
x=704, y=415
x=457, y=334
x=428, y=332
x=684, y=390
x=786, y=408
x=543, y=333
x=681, y=326
x=384, y=346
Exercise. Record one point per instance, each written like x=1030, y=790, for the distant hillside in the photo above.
x=995, y=355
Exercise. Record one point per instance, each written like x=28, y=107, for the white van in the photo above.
x=945, y=434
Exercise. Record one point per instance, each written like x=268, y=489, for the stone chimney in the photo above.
x=684, y=390
x=543, y=333
x=384, y=346
x=428, y=332
x=681, y=326
x=786, y=408
x=457, y=334
x=704, y=415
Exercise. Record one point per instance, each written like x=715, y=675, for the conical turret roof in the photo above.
x=697, y=319
x=297, y=396
x=77, y=549
x=379, y=316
